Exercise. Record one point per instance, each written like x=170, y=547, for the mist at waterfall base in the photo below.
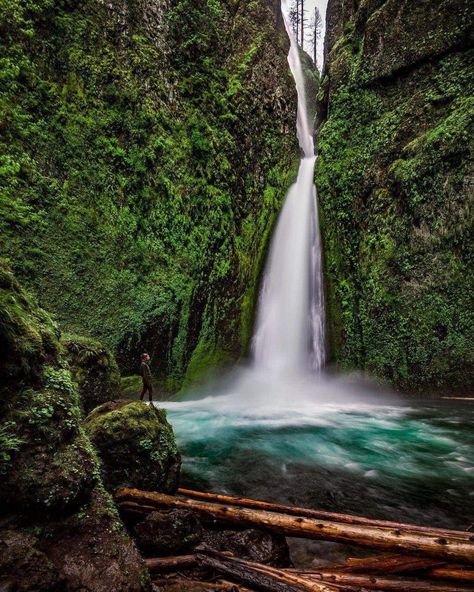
x=280, y=429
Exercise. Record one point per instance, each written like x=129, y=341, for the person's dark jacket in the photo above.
x=145, y=373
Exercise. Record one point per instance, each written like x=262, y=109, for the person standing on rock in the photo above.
x=145, y=373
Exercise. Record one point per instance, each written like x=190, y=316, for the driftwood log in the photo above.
x=387, y=583
x=427, y=568
x=269, y=578
x=263, y=577
x=319, y=514
x=403, y=564
x=454, y=548
x=186, y=585
x=166, y=564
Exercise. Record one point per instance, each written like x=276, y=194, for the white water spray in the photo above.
x=289, y=334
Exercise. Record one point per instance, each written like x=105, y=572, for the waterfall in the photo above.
x=289, y=333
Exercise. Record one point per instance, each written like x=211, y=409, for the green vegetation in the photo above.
x=141, y=168
x=51, y=493
x=136, y=445
x=395, y=183
x=94, y=369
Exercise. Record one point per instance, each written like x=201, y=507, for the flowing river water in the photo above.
x=280, y=429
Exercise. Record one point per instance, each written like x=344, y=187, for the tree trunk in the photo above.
x=184, y=585
x=384, y=564
x=403, y=564
x=386, y=583
x=164, y=564
x=445, y=547
x=297, y=511
x=262, y=577
x=458, y=573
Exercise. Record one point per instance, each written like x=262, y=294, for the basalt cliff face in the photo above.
x=395, y=176
x=145, y=149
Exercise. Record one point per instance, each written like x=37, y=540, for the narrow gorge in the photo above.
x=278, y=249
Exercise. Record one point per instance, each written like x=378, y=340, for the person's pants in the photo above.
x=147, y=387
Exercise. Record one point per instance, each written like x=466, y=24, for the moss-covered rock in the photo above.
x=94, y=369
x=136, y=445
x=395, y=184
x=28, y=336
x=52, y=501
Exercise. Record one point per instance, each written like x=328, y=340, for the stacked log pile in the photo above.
x=410, y=558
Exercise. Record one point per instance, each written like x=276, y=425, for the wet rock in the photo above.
x=94, y=369
x=251, y=544
x=92, y=550
x=61, y=530
x=168, y=533
x=24, y=568
x=136, y=445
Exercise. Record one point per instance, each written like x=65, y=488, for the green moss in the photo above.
x=394, y=184
x=129, y=169
x=28, y=336
x=49, y=471
x=94, y=369
x=136, y=445
x=130, y=386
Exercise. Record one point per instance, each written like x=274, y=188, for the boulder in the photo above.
x=168, y=533
x=94, y=369
x=95, y=552
x=136, y=445
x=24, y=568
x=252, y=544
x=61, y=530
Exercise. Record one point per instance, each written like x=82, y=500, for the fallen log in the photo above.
x=343, y=581
x=455, y=550
x=387, y=583
x=185, y=585
x=457, y=573
x=138, y=508
x=402, y=564
x=165, y=564
x=320, y=514
x=384, y=564
x=263, y=577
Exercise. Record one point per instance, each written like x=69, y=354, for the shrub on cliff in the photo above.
x=136, y=445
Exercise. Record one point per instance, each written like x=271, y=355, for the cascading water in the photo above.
x=277, y=430
x=289, y=333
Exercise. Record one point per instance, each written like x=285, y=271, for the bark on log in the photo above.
x=369, y=581
x=458, y=573
x=388, y=583
x=182, y=584
x=402, y=564
x=453, y=549
x=384, y=564
x=165, y=564
x=248, y=570
x=263, y=577
x=320, y=514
